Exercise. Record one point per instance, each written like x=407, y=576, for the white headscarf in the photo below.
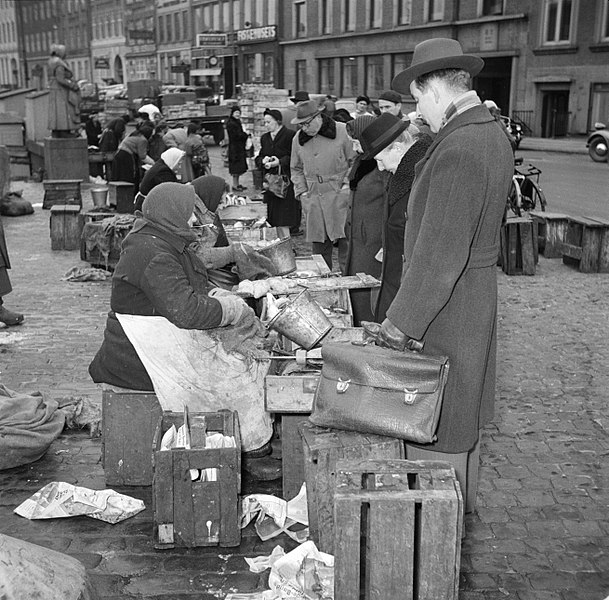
x=172, y=156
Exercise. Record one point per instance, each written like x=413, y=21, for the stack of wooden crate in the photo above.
x=12, y=135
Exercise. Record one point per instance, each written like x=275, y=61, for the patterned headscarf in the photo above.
x=355, y=127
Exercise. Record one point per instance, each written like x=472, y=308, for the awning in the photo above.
x=205, y=72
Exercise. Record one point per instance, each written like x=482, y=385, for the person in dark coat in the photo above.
x=112, y=134
x=364, y=227
x=8, y=317
x=274, y=156
x=132, y=153
x=158, y=274
x=162, y=171
x=447, y=301
x=237, y=155
x=406, y=145
x=93, y=129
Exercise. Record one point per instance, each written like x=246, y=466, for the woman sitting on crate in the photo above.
x=169, y=328
x=162, y=171
x=283, y=210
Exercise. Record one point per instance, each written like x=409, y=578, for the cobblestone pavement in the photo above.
x=540, y=531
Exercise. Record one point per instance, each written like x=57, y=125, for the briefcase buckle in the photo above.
x=342, y=385
x=410, y=395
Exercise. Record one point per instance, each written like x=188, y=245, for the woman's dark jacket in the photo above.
x=280, y=211
x=159, y=172
x=237, y=163
x=156, y=276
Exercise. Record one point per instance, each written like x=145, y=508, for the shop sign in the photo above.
x=139, y=34
x=211, y=40
x=180, y=68
x=257, y=34
x=102, y=62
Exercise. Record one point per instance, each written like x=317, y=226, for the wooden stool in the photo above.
x=551, y=230
x=519, y=251
x=322, y=449
x=122, y=195
x=129, y=420
x=586, y=244
x=61, y=191
x=398, y=529
x=66, y=227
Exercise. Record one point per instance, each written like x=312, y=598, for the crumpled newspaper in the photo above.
x=60, y=499
x=276, y=516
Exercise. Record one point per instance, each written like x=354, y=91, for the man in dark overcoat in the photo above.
x=447, y=301
x=8, y=317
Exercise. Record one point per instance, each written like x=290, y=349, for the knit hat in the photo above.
x=355, y=127
x=380, y=133
x=210, y=189
x=275, y=114
x=169, y=206
x=362, y=98
x=172, y=156
x=234, y=109
x=391, y=96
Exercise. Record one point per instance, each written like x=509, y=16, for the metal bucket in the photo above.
x=282, y=256
x=302, y=320
x=99, y=196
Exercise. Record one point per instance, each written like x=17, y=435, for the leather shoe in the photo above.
x=8, y=317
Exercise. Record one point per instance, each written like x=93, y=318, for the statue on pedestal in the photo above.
x=64, y=97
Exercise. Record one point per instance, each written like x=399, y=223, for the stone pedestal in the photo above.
x=66, y=158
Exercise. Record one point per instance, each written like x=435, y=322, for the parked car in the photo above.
x=598, y=143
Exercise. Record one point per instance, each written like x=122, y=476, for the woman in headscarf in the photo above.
x=196, y=161
x=113, y=133
x=132, y=153
x=273, y=159
x=237, y=155
x=162, y=171
x=364, y=226
x=159, y=275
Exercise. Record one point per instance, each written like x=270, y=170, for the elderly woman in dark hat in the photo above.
x=237, y=154
x=274, y=159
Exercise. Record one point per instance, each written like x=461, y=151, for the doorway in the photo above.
x=555, y=114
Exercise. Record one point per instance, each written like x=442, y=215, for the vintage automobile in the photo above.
x=598, y=143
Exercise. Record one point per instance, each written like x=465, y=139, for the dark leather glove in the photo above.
x=389, y=336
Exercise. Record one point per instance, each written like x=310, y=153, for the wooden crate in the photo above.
x=551, y=230
x=519, y=246
x=586, y=244
x=398, y=530
x=193, y=513
x=61, y=191
x=322, y=449
x=66, y=227
x=129, y=420
x=121, y=196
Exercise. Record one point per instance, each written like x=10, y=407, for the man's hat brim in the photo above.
x=382, y=138
x=468, y=62
x=296, y=120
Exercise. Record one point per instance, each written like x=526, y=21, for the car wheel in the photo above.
x=598, y=149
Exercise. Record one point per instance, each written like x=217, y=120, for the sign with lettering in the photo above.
x=102, y=62
x=140, y=34
x=489, y=35
x=257, y=34
x=211, y=40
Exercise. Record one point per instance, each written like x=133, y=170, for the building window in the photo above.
x=161, y=30
x=300, y=68
x=325, y=26
x=435, y=10
x=268, y=67
x=300, y=20
x=348, y=77
x=399, y=62
x=557, y=21
x=169, y=25
x=250, y=67
x=599, y=96
x=225, y=16
x=326, y=76
x=177, y=26
x=487, y=8
x=216, y=18
x=348, y=14
x=236, y=16
x=374, y=84
x=247, y=12
x=185, y=23
x=376, y=13
x=207, y=22
x=271, y=12
x=605, y=22
x=404, y=16
x=259, y=16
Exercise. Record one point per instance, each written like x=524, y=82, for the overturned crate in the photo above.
x=398, y=530
x=191, y=513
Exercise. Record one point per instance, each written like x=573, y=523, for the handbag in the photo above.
x=277, y=183
x=370, y=389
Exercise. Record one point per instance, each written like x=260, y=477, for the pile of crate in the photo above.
x=12, y=135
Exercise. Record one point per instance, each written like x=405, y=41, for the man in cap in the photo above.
x=447, y=301
x=320, y=161
x=391, y=102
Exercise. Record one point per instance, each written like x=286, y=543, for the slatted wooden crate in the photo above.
x=398, y=530
x=586, y=244
x=66, y=225
x=323, y=448
x=197, y=513
x=61, y=191
x=551, y=231
x=129, y=420
x=519, y=246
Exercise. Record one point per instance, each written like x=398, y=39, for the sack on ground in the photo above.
x=371, y=389
x=15, y=206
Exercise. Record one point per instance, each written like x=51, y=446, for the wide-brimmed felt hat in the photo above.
x=433, y=55
x=300, y=96
x=380, y=133
x=306, y=110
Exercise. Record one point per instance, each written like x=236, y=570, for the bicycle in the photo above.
x=525, y=192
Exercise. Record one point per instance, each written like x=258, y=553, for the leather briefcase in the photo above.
x=370, y=389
